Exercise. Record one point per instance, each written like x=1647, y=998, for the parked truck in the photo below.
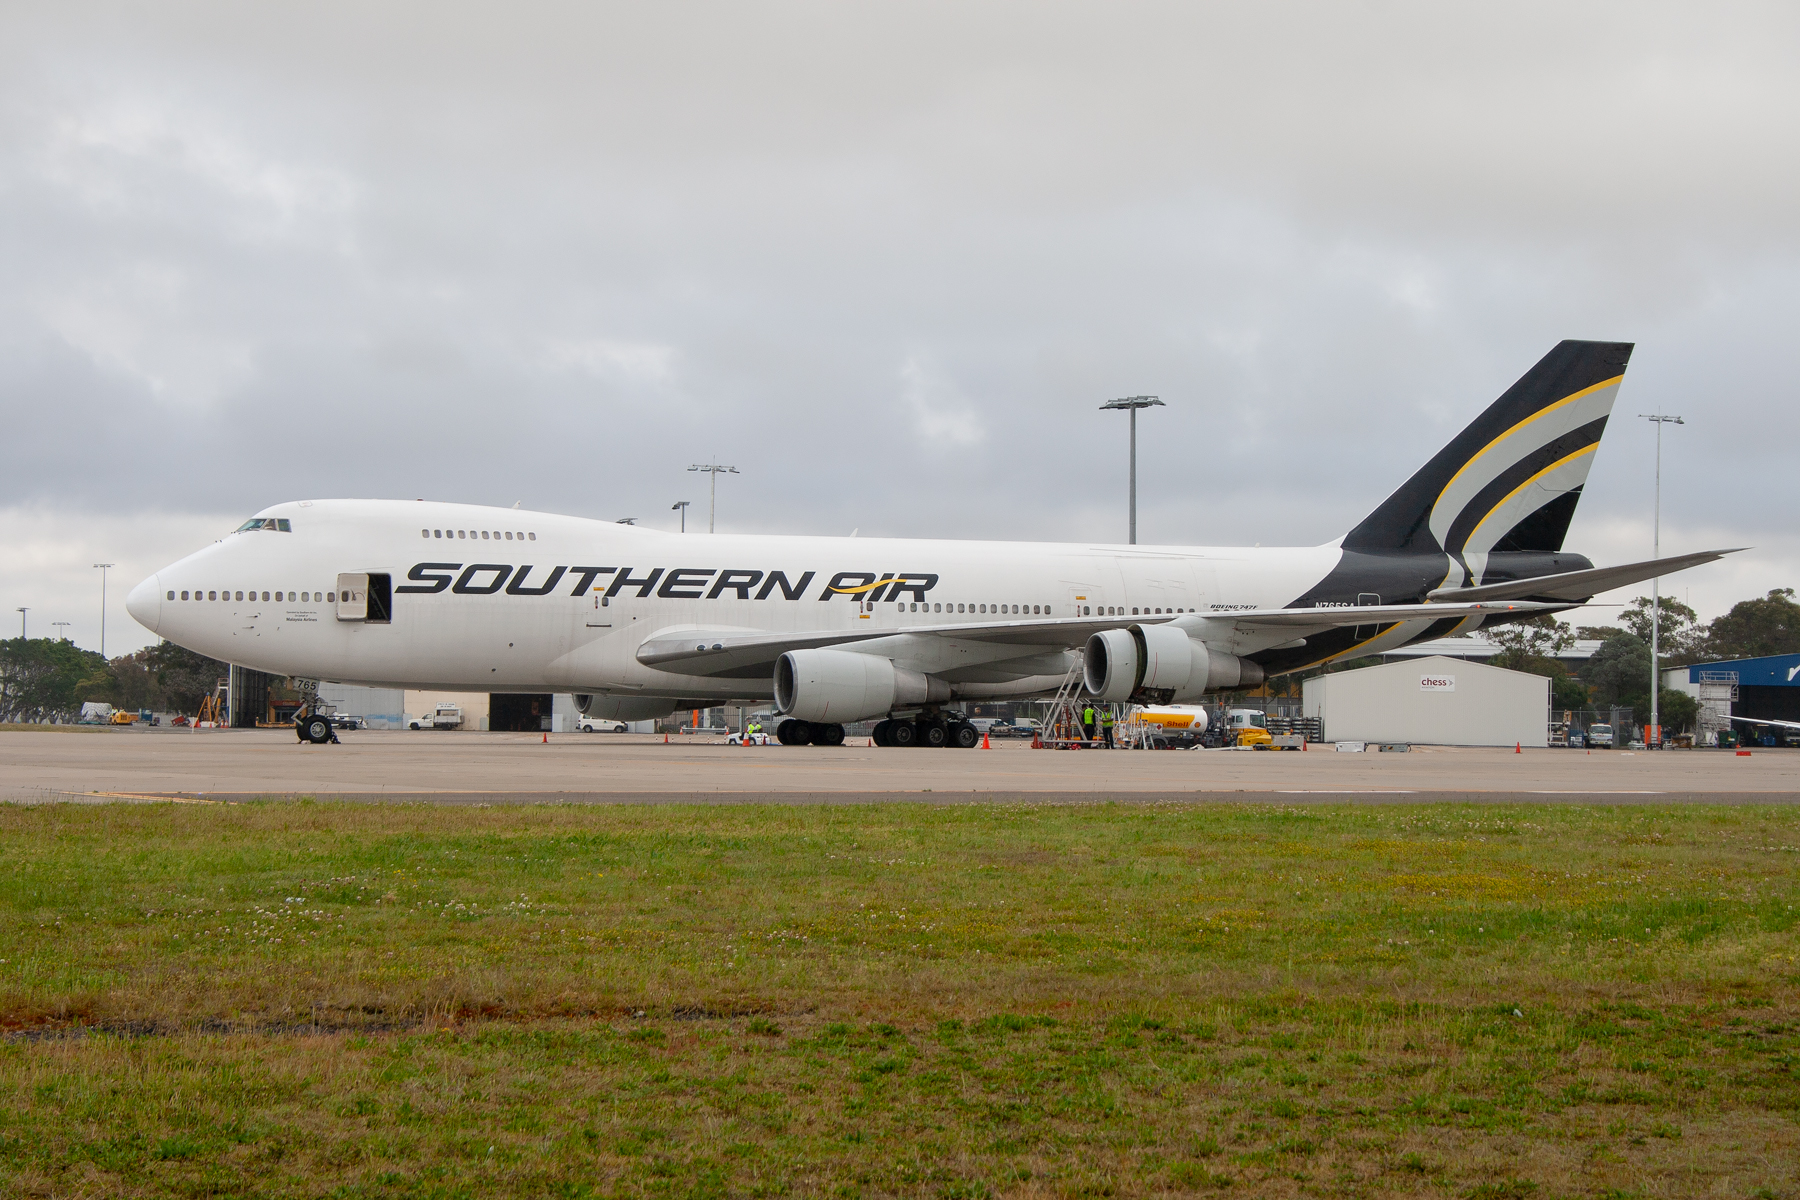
x=1247, y=727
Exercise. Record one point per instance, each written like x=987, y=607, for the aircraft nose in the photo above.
x=145, y=603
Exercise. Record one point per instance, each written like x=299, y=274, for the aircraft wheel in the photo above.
x=934, y=735
x=793, y=733
x=881, y=735
x=317, y=730
x=964, y=736
x=828, y=735
x=903, y=733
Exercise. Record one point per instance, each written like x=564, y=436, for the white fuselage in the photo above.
x=473, y=621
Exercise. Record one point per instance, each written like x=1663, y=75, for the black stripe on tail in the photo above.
x=1510, y=481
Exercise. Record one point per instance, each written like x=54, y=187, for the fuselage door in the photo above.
x=1366, y=599
x=352, y=596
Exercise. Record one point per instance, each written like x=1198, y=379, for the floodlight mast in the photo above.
x=1132, y=404
x=681, y=506
x=1658, y=420
x=714, y=470
x=103, y=568
x=22, y=612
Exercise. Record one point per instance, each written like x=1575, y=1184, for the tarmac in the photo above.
x=163, y=764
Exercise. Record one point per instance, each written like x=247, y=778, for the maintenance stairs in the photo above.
x=1063, y=730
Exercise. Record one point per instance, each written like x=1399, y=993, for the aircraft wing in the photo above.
x=1767, y=721
x=1576, y=586
x=699, y=651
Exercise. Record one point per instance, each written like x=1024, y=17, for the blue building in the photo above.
x=1759, y=688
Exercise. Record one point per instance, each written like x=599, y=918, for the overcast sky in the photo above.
x=885, y=259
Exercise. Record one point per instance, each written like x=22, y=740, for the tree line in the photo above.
x=48, y=680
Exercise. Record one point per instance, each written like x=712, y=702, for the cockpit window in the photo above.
x=273, y=524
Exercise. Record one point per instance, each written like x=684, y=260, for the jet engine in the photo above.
x=836, y=686
x=623, y=708
x=1156, y=664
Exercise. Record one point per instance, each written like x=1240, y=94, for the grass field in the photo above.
x=1105, y=1000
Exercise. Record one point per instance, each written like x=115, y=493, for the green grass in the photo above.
x=1104, y=1000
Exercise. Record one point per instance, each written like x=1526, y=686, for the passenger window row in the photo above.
x=484, y=534
x=1029, y=610
x=290, y=597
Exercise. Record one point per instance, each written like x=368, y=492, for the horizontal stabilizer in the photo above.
x=1768, y=721
x=1578, y=586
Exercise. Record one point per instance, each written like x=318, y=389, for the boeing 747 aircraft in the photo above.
x=638, y=623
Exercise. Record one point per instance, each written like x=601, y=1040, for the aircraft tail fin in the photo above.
x=1510, y=481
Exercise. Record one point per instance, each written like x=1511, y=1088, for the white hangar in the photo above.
x=1433, y=701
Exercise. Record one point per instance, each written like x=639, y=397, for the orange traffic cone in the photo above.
x=546, y=737
x=1518, y=747
x=665, y=739
x=984, y=741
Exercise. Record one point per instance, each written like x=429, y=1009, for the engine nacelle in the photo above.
x=1156, y=664
x=1109, y=667
x=624, y=708
x=837, y=686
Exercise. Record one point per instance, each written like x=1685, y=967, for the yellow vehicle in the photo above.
x=122, y=717
x=1250, y=727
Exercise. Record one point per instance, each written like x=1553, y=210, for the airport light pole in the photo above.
x=1658, y=420
x=22, y=613
x=714, y=470
x=1132, y=404
x=682, y=507
x=61, y=637
x=103, y=568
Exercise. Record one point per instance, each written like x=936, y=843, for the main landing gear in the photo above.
x=800, y=733
x=928, y=729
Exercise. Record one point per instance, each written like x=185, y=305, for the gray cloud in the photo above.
x=885, y=259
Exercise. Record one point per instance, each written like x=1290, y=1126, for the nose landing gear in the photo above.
x=315, y=729
x=310, y=724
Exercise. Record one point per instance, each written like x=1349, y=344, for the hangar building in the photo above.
x=1758, y=688
x=1435, y=701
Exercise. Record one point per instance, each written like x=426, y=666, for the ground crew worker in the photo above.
x=1087, y=721
x=1106, y=727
